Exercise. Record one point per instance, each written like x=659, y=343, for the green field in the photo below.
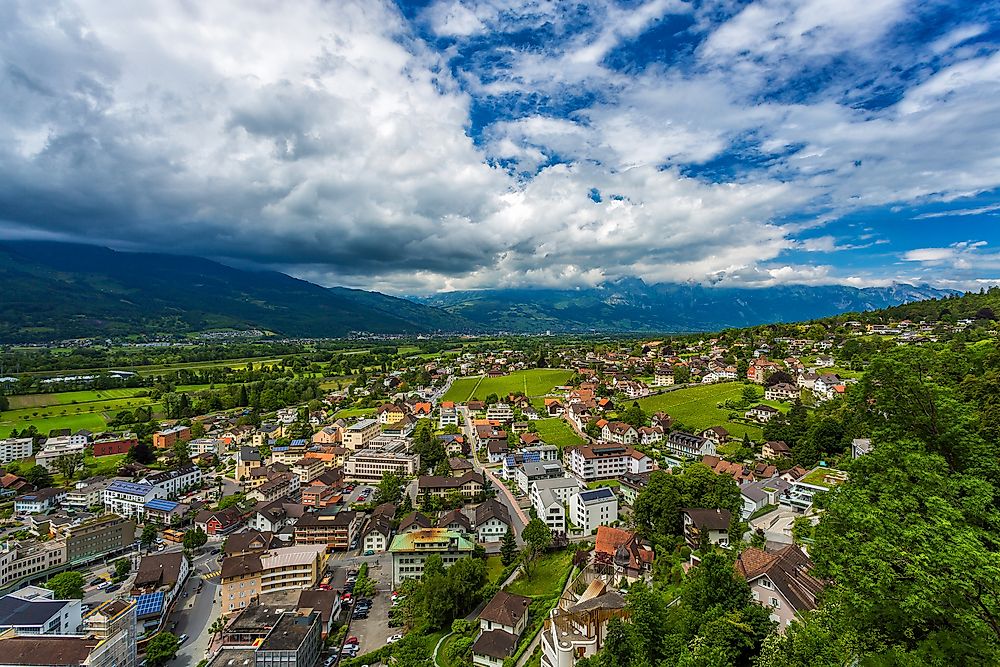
x=90, y=421
x=546, y=575
x=557, y=432
x=69, y=397
x=533, y=383
x=695, y=407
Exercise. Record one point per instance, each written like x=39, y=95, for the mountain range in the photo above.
x=632, y=305
x=52, y=291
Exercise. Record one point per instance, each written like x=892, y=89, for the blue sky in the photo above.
x=454, y=144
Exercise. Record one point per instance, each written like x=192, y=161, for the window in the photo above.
x=774, y=603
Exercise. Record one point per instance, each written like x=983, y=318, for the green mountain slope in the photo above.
x=56, y=290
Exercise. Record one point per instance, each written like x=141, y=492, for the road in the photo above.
x=504, y=494
x=195, y=612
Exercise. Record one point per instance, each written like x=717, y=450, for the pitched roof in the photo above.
x=414, y=518
x=454, y=516
x=788, y=569
x=709, y=519
x=492, y=509
x=505, y=608
x=496, y=644
x=157, y=570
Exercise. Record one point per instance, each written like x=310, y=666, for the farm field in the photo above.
x=88, y=420
x=557, y=432
x=69, y=397
x=695, y=407
x=533, y=383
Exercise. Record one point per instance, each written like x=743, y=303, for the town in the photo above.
x=312, y=515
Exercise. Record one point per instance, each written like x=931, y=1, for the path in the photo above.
x=437, y=646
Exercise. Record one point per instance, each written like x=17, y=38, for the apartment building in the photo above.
x=593, y=462
x=529, y=472
x=307, y=469
x=172, y=483
x=109, y=444
x=358, y=435
x=688, y=445
x=277, y=486
x=54, y=448
x=36, y=611
x=127, y=499
x=468, y=485
x=449, y=415
x=166, y=438
x=246, y=576
x=200, y=446
x=29, y=559
x=410, y=551
x=550, y=497
x=14, y=449
x=334, y=530
x=593, y=508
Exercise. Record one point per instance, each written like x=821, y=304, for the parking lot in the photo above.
x=374, y=631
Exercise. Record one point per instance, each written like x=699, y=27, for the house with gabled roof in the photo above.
x=781, y=581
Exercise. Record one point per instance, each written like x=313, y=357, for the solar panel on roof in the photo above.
x=150, y=603
x=596, y=494
x=161, y=505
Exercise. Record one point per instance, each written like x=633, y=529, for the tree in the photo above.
x=779, y=377
x=508, y=548
x=657, y=510
x=810, y=641
x=142, y=452
x=122, y=567
x=197, y=429
x=217, y=627
x=161, y=649
x=634, y=416
x=182, y=455
x=390, y=488
x=68, y=464
x=148, y=537
x=38, y=476
x=194, y=538
x=66, y=585
x=537, y=538
x=231, y=501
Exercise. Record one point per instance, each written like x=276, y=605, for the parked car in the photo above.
x=183, y=638
x=369, y=552
x=394, y=639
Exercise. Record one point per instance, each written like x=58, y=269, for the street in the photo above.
x=194, y=612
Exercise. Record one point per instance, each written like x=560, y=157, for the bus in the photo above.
x=172, y=535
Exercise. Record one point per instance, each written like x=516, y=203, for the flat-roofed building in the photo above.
x=368, y=465
x=410, y=551
x=358, y=435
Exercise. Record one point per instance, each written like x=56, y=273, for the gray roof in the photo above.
x=18, y=611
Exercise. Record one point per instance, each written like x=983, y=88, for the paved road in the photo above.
x=504, y=494
x=195, y=612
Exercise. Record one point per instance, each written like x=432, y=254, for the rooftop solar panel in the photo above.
x=150, y=603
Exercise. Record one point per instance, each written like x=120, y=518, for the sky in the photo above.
x=414, y=147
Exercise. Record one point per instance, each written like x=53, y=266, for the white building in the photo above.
x=368, y=465
x=592, y=508
x=56, y=447
x=527, y=473
x=549, y=497
x=492, y=521
x=595, y=462
x=35, y=611
x=200, y=446
x=39, y=501
x=500, y=412
x=175, y=482
x=127, y=499
x=449, y=415
x=14, y=449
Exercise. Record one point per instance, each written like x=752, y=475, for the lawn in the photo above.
x=557, y=432
x=88, y=420
x=533, y=383
x=546, y=575
x=92, y=467
x=494, y=566
x=69, y=397
x=695, y=407
x=354, y=412
x=88, y=414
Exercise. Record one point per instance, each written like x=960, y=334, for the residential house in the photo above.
x=550, y=497
x=219, y=522
x=630, y=485
x=781, y=580
x=249, y=575
x=161, y=573
x=593, y=462
x=761, y=413
x=620, y=432
x=527, y=473
x=775, y=449
x=688, y=445
x=501, y=623
x=623, y=553
x=711, y=525
x=492, y=521
x=414, y=521
x=469, y=485
x=781, y=392
x=761, y=493
x=38, y=502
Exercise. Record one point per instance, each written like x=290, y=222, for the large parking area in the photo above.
x=372, y=632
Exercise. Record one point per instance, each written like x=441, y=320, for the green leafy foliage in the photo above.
x=66, y=585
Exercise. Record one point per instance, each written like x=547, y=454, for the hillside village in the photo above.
x=537, y=469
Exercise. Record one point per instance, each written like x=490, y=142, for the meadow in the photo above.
x=557, y=432
x=696, y=407
x=534, y=383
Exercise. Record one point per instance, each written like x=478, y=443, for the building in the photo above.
x=268, y=634
x=274, y=515
x=113, y=625
x=390, y=413
x=86, y=494
x=247, y=459
x=38, y=502
x=128, y=499
x=14, y=449
x=295, y=641
x=166, y=438
x=593, y=462
x=410, y=551
x=501, y=623
x=334, y=530
x=759, y=494
x=449, y=415
x=622, y=553
x=688, y=445
x=500, y=412
x=592, y=508
x=163, y=511
x=320, y=497
x=492, y=521
x=860, y=447
x=307, y=469
x=358, y=435
x=277, y=486
x=761, y=413
x=620, y=433
x=578, y=624
x=529, y=472
x=550, y=497
x=469, y=485
x=161, y=573
x=219, y=522
x=55, y=448
x=368, y=465
x=710, y=525
x=800, y=493
x=775, y=449
x=35, y=611
x=663, y=377
x=630, y=485
x=173, y=483
x=98, y=537
x=781, y=392
x=781, y=580
x=377, y=533
x=246, y=576
x=200, y=446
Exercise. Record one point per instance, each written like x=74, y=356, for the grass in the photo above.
x=90, y=421
x=92, y=467
x=69, y=397
x=532, y=383
x=557, y=432
x=494, y=566
x=695, y=407
x=546, y=575
x=613, y=483
x=354, y=412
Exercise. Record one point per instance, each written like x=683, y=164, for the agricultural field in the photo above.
x=73, y=410
x=696, y=407
x=69, y=397
x=557, y=432
x=88, y=420
x=534, y=383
